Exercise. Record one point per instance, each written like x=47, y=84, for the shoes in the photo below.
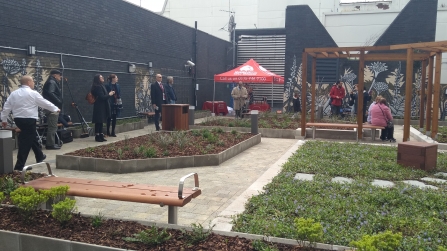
x=102, y=137
x=393, y=140
x=43, y=158
x=98, y=138
x=54, y=147
x=112, y=135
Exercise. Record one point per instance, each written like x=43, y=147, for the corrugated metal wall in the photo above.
x=268, y=51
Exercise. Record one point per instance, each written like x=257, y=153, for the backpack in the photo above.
x=90, y=98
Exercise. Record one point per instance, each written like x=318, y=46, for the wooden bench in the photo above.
x=170, y=196
x=149, y=115
x=335, y=126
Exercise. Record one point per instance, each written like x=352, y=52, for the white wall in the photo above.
x=348, y=24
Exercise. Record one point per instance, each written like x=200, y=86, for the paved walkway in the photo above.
x=225, y=188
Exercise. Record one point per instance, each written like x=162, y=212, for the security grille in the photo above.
x=269, y=52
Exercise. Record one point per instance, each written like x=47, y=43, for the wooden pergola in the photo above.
x=427, y=52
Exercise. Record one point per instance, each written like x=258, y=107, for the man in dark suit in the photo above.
x=158, y=97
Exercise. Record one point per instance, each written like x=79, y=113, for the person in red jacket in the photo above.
x=337, y=94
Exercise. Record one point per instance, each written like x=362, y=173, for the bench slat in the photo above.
x=122, y=192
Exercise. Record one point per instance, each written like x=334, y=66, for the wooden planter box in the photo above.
x=418, y=155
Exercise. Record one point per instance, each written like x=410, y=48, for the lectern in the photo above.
x=175, y=117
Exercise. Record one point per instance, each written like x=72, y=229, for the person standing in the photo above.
x=366, y=98
x=170, y=92
x=296, y=104
x=23, y=103
x=158, y=97
x=101, y=107
x=52, y=92
x=239, y=94
x=337, y=94
x=116, y=104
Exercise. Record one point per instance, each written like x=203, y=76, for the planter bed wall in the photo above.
x=14, y=241
x=200, y=115
x=118, y=129
x=295, y=134
x=144, y=165
x=423, y=138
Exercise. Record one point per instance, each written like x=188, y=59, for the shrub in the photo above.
x=2, y=197
x=197, y=234
x=196, y=133
x=27, y=199
x=217, y=130
x=62, y=211
x=151, y=236
x=386, y=241
x=55, y=193
x=7, y=185
x=260, y=245
x=120, y=153
x=97, y=220
x=309, y=230
x=150, y=152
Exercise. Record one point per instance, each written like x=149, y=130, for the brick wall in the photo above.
x=110, y=29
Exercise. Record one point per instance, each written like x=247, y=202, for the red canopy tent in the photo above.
x=250, y=72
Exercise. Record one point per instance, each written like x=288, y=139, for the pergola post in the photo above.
x=303, y=93
x=436, y=92
x=408, y=94
x=422, y=94
x=361, y=85
x=314, y=79
x=429, y=95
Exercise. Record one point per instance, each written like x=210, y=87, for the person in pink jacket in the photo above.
x=380, y=115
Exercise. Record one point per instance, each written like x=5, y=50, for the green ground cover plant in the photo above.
x=442, y=133
x=349, y=212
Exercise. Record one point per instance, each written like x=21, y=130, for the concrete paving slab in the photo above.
x=419, y=184
x=382, y=183
x=304, y=176
x=342, y=180
x=434, y=180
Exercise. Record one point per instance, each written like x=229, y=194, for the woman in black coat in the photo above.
x=101, y=107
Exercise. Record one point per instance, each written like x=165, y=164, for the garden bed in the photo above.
x=348, y=212
x=157, y=151
x=96, y=233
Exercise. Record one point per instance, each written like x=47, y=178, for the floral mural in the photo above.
x=12, y=69
x=380, y=78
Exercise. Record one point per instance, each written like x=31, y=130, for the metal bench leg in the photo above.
x=313, y=132
x=172, y=214
x=373, y=134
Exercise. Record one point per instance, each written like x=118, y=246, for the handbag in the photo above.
x=389, y=123
x=90, y=98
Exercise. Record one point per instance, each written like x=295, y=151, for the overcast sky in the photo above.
x=157, y=5
x=153, y=5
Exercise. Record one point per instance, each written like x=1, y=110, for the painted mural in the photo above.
x=14, y=66
x=143, y=91
x=380, y=78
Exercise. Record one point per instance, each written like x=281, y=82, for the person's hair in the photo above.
x=383, y=101
x=338, y=82
x=378, y=98
x=169, y=78
x=111, y=76
x=96, y=81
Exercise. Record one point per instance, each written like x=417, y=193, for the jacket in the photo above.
x=239, y=95
x=101, y=107
x=340, y=92
x=366, y=99
x=52, y=92
x=170, y=92
x=157, y=95
x=379, y=118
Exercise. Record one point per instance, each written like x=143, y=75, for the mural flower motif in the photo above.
x=376, y=68
x=380, y=87
x=10, y=66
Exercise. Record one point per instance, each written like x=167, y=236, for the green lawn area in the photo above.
x=442, y=130
x=349, y=211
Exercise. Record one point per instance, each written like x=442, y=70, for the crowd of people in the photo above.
x=24, y=104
